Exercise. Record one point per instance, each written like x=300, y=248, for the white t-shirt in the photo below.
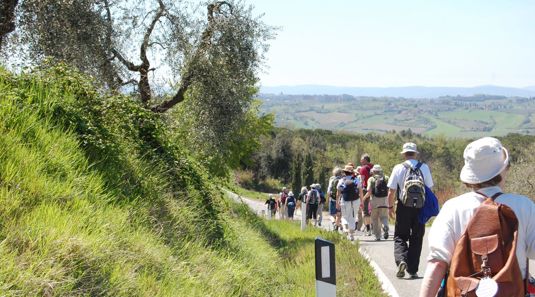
x=455, y=214
x=397, y=178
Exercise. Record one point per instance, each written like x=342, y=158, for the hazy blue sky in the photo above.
x=400, y=43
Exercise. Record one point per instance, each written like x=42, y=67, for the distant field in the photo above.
x=464, y=117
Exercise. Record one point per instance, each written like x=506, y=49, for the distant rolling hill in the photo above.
x=451, y=116
x=407, y=92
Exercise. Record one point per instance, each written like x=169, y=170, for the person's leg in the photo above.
x=360, y=220
x=347, y=214
x=401, y=234
x=315, y=213
x=376, y=224
x=367, y=216
x=320, y=213
x=415, y=244
x=383, y=215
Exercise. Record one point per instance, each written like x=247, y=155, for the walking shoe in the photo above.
x=414, y=275
x=401, y=269
x=385, y=234
x=377, y=239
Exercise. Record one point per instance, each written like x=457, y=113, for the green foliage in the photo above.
x=323, y=150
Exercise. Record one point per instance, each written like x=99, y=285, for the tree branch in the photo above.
x=146, y=38
x=131, y=66
x=188, y=78
x=130, y=82
x=144, y=69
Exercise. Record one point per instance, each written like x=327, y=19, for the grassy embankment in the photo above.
x=95, y=201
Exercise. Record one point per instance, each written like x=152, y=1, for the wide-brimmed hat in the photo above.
x=484, y=159
x=409, y=147
x=291, y=194
x=348, y=168
x=377, y=168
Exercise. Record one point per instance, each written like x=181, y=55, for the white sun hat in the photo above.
x=377, y=168
x=409, y=147
x=484, y=159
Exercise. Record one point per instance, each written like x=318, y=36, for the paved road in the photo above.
x=381, y=255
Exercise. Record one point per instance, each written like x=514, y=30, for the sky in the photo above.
x=377, y=43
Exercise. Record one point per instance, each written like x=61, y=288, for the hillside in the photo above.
x=96, y=200
x=465, y=117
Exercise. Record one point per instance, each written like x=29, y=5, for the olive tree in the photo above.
x=203, y=57
x=212, y=51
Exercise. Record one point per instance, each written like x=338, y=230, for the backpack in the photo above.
x=350, y=192
x=291, y=201
x=313, y=197
x=332, y=185
x=413, y=187
x=380, y=188
x=322, y=197
x=487, y=248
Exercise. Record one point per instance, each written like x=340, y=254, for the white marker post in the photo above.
x=325, y=268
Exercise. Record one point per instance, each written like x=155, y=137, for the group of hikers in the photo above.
x=480, y=242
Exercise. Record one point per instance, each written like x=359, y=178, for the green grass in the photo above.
x=294, y=258
x=443, y=128
x=96, y=201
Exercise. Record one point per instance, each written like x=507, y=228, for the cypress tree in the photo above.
x=309, y=170
x=297, y=174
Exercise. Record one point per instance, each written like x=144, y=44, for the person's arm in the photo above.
x=361, y=193
x=434, y=273
x=391, y=197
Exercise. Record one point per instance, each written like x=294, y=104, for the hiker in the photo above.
x=272, y=206
x=360, y=215
x=283, y=212
x=321, y=204
x=486, y=164
x=290, y=205
x=313, y=199
x=349, y=190
x=334, y=211
x=377, y=193
x=407, y=183
x=364, y=171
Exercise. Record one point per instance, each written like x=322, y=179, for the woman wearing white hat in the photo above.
x=486, y=163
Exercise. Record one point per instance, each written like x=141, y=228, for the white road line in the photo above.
x=387, y=286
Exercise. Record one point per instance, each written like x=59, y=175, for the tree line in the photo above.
x=299, y=158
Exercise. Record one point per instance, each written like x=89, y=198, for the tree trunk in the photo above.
x=7, y=18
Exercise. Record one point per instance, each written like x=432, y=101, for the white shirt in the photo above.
x=455, y=214
x=397, y=178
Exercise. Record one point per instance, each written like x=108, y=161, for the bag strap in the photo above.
x=493, y=197
x=526, y=280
